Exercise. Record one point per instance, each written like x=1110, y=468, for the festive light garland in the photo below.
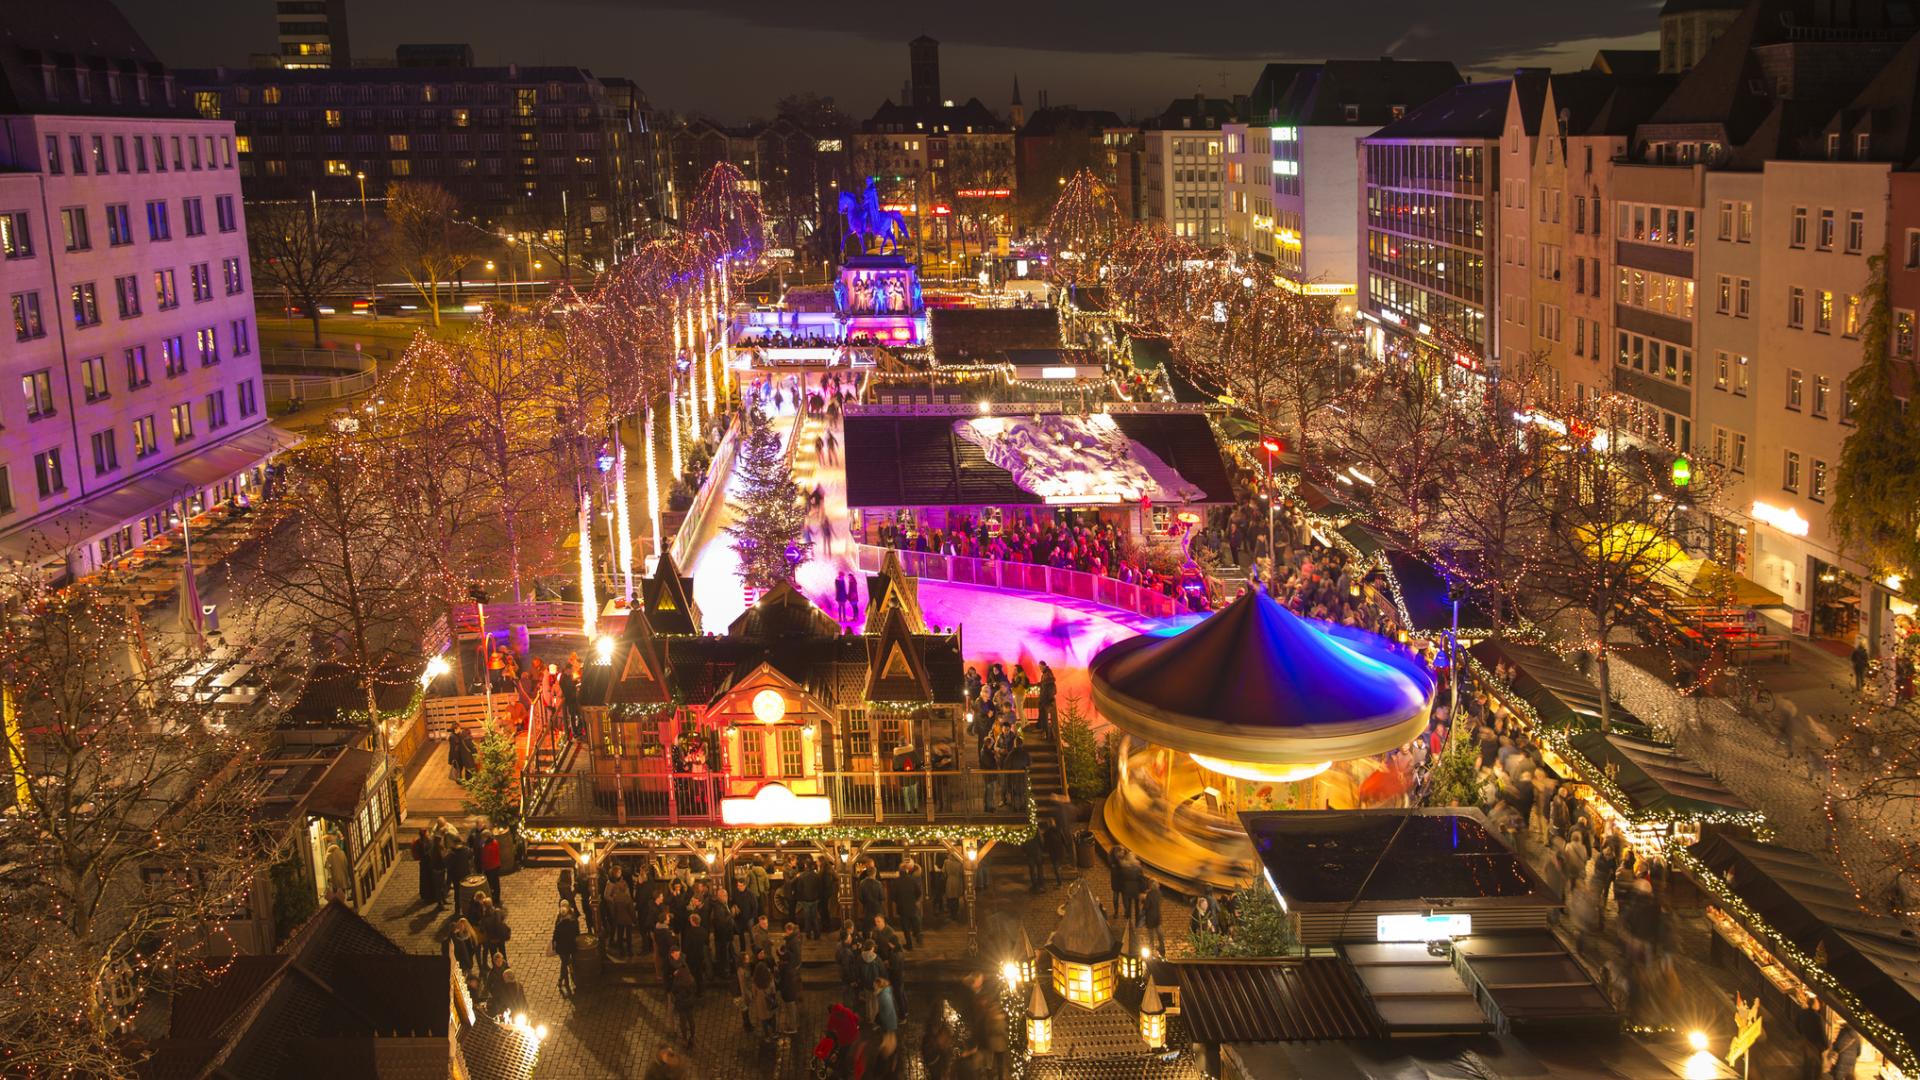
x=684, y=835
x=1891, y=1041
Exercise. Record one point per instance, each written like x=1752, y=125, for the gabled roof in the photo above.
x=1083, y=933
x=338, y=993
x=1887, y=111
x=1634, y=63
x=1273, y=86
x=638, y=674
x=936, y=119
x=892, y=590
x=1530, y=90
x=896, y=671
x=784, y=612
x=1196, y=113
x=666, y=597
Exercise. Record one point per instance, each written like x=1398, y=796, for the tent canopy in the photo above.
x=1657, y=557
x=1554, y=688
x=1656, y=778
x=1423, y=592
x=1256, y=683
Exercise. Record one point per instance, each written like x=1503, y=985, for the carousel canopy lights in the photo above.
x=1261, y=774
x=1257, y=685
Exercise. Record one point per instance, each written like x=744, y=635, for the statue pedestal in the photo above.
x=878, y=299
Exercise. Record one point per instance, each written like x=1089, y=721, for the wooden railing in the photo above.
x=683, y=798
x=1028, y=577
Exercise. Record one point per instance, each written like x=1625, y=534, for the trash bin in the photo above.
x=1083, y=849
x=586, y=959
x=463, y=892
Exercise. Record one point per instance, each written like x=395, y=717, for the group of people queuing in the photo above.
x=446, y=857
x=540, y=692
x=997, y=719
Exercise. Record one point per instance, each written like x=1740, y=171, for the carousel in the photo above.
x=1254, y=708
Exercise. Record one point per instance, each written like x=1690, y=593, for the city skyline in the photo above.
x=1132, y=64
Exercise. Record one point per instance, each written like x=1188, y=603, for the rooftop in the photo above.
x=1373, y=857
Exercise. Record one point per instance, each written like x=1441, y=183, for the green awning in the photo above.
x=1555, y=689
x=1656, y=778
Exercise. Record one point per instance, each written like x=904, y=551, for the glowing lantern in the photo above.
x=1039, y=1023
x=769, y=706
x=1153, y=1017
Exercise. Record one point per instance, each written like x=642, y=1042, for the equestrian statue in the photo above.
x=865, y=218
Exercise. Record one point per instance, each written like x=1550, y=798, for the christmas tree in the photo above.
x=493, y=788
x=771, y=515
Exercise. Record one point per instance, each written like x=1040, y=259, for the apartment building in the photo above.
x=1183, y=159
x=312, y=34
x=557, y=153
x=1291, y=186
x=123, y=258
x=1429, y=217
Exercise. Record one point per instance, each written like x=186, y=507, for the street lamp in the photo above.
x=1272, y=446
x=373, y=287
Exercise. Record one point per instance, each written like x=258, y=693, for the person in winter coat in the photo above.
x=459, y=862
x=490, y=863
x=907, y=894
x=790, y=990
x=566, y=938
x=684, y=993
x=762, y=1002
x=955, y=872
x=1205, y=917
x=616, y=907
x=1150, y=916
x=872, y=896
x=693, y=945
x=885, y=1016
x=466, y=946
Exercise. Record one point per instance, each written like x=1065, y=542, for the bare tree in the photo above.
x=129, y=840
x=342, y=571
x=1398, y=441
x=1081, y=230
x=427, y=237
x=309, y=253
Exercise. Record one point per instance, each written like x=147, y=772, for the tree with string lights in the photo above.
x=1616, y=513
x=130, y=840
x=771, y=513
x=339, y=569
x=1397, y=443
x=1080, y=232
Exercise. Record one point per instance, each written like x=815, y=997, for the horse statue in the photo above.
x=865, y=218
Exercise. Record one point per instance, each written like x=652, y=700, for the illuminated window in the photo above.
x=270, y=95
x=243, y=143
x=791, y=763
x=752, y=754
x=337, y=167
x=1088, y=985
x=333, y=117
x=396, y=142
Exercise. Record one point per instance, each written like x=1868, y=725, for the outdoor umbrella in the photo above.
x=190, y=618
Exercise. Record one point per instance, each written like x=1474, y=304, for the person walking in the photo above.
x=693, y=945
x=684, y=992
x=789, y=980
x=566, y=939
x=1150, y=916
x=459, y=863
x=954, y=870
x=1859, y=659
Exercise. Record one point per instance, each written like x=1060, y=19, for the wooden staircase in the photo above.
x=1046, y=773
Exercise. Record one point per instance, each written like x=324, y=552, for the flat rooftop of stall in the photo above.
x=911, y=456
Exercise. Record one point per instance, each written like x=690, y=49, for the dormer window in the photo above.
x=1353, y=113
x=1862, y=145
x=1833, y=146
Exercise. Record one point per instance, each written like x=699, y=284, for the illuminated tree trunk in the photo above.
x=706, y=343
x=726, y=330
x=673, y=426
x=653, y=487
x=624, y=524
x=589, y=597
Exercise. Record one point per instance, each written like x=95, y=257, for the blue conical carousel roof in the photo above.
x=1255, y=682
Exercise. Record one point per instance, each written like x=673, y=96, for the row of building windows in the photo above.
x=49, y=467
x=1824, y=225
x=96, y=385
x=76, y=227
x=1449, y=218
x=1400, y=300
x=1664, y=294
x=1645, y=223
x=1660, y=359
x=1427, y=166
x=84, y=298
x=96, y=155
x=1826, y=309
x=1453, y=271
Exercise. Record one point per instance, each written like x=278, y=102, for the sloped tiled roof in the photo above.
x=1468, y=111
x=1274, y=1000
x=1083, y=933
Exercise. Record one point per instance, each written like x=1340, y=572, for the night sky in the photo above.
x=732, y=58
